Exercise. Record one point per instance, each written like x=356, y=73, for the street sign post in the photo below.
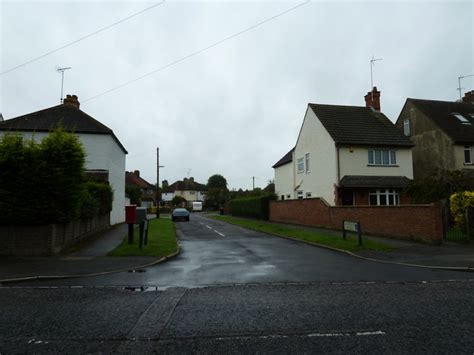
x=352, y=227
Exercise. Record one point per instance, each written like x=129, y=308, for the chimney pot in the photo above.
x=137, y=173
x=71, y=100
x=469, y=97
x=372, y=99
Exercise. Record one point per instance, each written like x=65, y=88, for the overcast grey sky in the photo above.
x=236, y=108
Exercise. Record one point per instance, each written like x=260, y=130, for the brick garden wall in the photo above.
x=422, y=222
x=48, y=239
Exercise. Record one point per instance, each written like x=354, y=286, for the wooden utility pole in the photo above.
x=158, y=195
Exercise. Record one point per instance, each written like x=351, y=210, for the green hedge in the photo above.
x=253, y=207
x=43, y=183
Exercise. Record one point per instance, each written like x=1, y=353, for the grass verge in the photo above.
x=161, y=241
x=350, y=244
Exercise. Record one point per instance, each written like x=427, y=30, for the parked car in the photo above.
x=180, y=213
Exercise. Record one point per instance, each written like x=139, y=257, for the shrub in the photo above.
x=41, y=183
x=254, y=207
x=460, y=202
x=98, y=196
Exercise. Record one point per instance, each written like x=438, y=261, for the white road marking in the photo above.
x=212, y=229
x=378, y=332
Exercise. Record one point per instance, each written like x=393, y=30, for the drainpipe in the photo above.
x=338, y=174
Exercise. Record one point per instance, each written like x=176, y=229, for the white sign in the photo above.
x=351, y=226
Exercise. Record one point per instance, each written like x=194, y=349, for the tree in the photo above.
x=217, y=181
x=134, y=193
x=217, y=193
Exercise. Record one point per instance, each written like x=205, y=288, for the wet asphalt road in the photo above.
x=217, y=253
x=299, y=318
x=266, y=294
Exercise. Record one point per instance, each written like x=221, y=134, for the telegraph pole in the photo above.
x=253, y=182
x=158, y=197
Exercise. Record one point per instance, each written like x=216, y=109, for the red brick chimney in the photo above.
x=71, y=100
x=469, y=97
x=136, y=173
x=372, y=99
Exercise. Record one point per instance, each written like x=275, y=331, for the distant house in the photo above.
x=148, y=190
x=105, y=155
x=443, y=133
x=187, y=188
x=347, y=155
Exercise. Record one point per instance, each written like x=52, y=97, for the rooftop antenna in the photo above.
x=189, y=172
x=372, y=64
x=459, y=82
x=62, y=70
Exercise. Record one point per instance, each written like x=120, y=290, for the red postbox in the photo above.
x=131, y=214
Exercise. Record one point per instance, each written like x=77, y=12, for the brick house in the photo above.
x=148, y=190
x=105, y=155
x=187, y=188
x=347, y=155
x=443, y=133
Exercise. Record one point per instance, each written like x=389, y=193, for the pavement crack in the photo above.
x=171, y=313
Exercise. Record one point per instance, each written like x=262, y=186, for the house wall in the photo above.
x=393, y=221
x=284, y=181
x=167, y=196
x=102, y=152
x=355, y=162
x=459, y=157
x=315, y=140
x=433, y=148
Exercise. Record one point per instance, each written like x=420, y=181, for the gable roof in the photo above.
x=359, y=125
x=134, y=179
x=66, y=116
x=441, y=113
x=287, y=158
x=185, y=185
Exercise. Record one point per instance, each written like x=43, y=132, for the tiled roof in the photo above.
x=66, y=116
x=374, y=181
x=441, y=112
x=287, y=158
x=358, y=125
x=132, y=179
x=185, y=185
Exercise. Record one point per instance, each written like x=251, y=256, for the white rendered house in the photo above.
x=347, y=155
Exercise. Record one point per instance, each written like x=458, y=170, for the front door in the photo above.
x=347, y=197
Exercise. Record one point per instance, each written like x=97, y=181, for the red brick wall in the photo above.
x=404, y=222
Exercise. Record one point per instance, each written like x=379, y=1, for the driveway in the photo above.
x=216, y=253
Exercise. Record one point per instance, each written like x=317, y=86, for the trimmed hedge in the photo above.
x=253, y=207
x=44, y=183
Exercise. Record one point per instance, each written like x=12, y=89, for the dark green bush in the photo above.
x=41, y=183
x=97, y=199
x=253, y=207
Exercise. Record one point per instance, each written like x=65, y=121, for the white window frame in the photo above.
x=467, y=148
x=386, y=157
x=308, y=195
x=300, y=164
x=406, y=127
x=387, y=193
x=307, y=162
x=461, y=118
x=299, y=194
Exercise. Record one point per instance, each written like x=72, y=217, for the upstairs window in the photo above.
x=300, y=165
x=461, y=118
x=382, y=157
x=467, y=154
x=406, y=127
x=306, y=159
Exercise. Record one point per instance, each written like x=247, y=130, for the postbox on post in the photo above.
x=130, y=219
